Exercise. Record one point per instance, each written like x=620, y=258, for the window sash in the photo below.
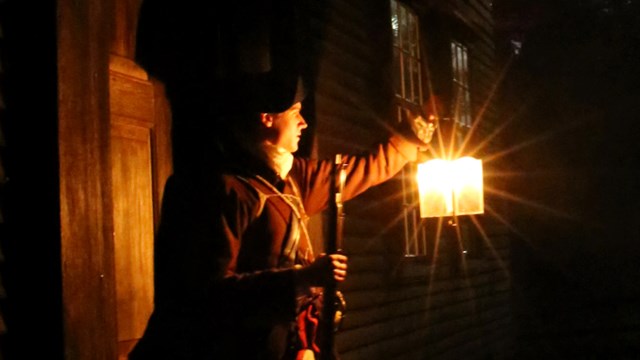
x=406, y=53
x=407, y=83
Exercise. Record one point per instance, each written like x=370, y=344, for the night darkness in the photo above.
x=572, y=96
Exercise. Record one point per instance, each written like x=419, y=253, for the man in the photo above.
x=235, y=273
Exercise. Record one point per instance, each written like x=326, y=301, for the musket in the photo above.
x=333, y=245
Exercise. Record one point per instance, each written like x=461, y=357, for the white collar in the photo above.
x=278, y=159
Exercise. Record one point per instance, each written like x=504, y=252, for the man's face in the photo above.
x=286, y=127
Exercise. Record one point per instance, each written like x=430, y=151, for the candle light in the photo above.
x=450, y=187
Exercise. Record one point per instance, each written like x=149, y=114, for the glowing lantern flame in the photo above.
x=450, y=187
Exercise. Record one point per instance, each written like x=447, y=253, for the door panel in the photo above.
x=133, y=229
x=140, y=162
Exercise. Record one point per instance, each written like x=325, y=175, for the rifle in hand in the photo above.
x=333, y=303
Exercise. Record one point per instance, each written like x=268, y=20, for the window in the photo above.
x=461, y=92
x=407, y=81
x=406, y=54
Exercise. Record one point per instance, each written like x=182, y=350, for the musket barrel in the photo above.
x=333, y=245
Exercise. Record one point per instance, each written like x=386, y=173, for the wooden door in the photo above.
x=140, y=164
x=134, y=154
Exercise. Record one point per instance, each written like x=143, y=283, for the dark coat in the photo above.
x=222, y=289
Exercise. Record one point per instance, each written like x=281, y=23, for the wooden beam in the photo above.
x=86, y=209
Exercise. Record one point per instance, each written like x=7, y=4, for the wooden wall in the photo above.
x=85, y=189
x=401, y=308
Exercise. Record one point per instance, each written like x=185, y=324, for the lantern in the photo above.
x=450, y=187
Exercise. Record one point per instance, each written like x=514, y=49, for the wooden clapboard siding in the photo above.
x=406, y=308
x=476, y=14
x=350, y=110
x=348, y=82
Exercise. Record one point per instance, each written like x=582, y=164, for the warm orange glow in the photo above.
x=450, y=187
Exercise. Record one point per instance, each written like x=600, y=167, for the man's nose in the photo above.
x=303, y=122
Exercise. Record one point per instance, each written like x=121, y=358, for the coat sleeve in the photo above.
x=363, y=172
x=197, y=247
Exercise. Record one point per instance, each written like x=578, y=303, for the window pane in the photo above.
x=411, y=33
x=407, y=72
x=467, y=101
x=462, y=97
x=454, y=61
x=407, y=78
x=465, y=68
x=397, y=75
x=404, y=35
x=419, y=75
x=394, y=22
x=415, y=77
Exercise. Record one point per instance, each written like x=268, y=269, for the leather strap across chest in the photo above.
x=296, y=248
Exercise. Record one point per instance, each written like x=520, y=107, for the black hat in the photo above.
x=264, y=93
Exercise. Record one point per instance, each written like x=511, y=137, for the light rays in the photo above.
x=483, y=110
x=486, y=149
x=479, y=140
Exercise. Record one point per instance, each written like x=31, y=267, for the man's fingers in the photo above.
x=339, y=265
x=339, y=275
x=338, y=258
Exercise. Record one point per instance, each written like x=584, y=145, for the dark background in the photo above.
x=571, y=94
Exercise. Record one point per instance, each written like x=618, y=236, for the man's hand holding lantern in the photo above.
x=419, y=123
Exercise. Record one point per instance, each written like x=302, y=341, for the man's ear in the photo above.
x=266, y=119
